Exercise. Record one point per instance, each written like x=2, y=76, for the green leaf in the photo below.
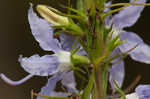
x=119, y=90
x=88, y=88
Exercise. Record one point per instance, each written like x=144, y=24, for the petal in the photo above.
x=48, y=90
x=66, y=41
x=14, y=83
x=143, y=91
x=68, y=81
x=64, y=57
x=42, y=32
x=132, y=96
x=141, y=52
x=117, y=73
x=108, y=18
x=131, y=40
x=41, y=66
x=128, y=16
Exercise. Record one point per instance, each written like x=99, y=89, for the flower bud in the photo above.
x=49, y=14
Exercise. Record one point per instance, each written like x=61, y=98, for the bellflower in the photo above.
x=126, y=18
x=57, y=64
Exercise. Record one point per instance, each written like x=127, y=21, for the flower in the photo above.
x=126, y=18
x=141, y=92
x=70, y=84
x=54, y=64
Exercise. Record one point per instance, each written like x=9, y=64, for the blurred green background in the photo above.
x=16, y=39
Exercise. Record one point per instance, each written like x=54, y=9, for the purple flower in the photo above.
x=126, y=18
x=70, y=84
x=54, y=64
x=141, y=92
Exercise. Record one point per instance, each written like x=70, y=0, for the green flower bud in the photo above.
x=51, y=16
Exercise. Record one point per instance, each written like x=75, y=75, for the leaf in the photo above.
x=88, y=88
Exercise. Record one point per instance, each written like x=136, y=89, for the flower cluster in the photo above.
x=92, y=48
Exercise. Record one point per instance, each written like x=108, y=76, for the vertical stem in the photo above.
x=101, y=77
x=98, y=82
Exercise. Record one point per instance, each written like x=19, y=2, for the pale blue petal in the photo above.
x=143, y=91
x=14, y=83
x=41, y=66
x=131, y=40
x=67, y=42
x=107, y=4
x=68, y=81
x=108, y=18
x=81, y=51
x=48, y=90
x=42, y=32
x=128, y=16
x=117, y=71
x=141, y=53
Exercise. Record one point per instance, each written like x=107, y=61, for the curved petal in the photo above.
x=42, y=32
x=128, y=16
x=14, y=83
x=68, y=81
x=141, y=52
x=117, y=73
x=41, y=66
x=143, y=91
x=48, y=90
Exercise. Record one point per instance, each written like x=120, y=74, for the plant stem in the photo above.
x=98, y=82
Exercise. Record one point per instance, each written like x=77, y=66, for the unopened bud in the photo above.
x=51, y=16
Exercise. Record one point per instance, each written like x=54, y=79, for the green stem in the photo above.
x=101, y=77
x=98, y=82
